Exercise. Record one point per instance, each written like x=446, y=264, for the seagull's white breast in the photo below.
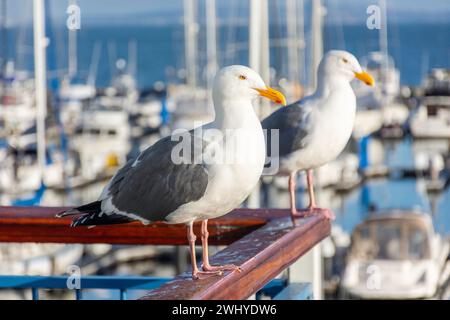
x=233, y=176
x=330, y=129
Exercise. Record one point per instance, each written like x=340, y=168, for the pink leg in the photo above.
x=196, y=274
x=294, y=212
x=312, y=198
x=206, y=265
x=312, y=207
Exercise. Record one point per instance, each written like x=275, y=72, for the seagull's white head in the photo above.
x=343, y=64
x=240, y=83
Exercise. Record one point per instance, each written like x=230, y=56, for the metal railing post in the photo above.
x=309, y=269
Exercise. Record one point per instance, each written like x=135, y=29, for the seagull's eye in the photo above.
x=344, y=60
x=242, y=77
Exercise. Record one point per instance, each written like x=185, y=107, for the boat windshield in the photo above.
x=390, y=240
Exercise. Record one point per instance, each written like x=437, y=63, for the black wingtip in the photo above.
x=93, y=207
x=82, y=220
x=69, y=212
x=75, y=223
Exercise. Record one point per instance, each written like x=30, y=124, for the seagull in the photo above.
x=315, y=129
x=192, y=175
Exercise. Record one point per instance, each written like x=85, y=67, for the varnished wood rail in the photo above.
x=262, y=255
x=38, y=224
x=262, y=242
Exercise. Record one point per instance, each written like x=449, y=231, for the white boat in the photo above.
x=17, y=103
x=395, y=255
x=74, y=98
x=379, y=106
x=341, y=174
x=429, y=158
x=101, y=141
x=189, y=107
x=38, y=259
x=431, y=118
x=19, y=169
x=148, y=111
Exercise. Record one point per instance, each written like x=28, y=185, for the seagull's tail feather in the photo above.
x=87, y=208
x=92, y=215
x=99, y=218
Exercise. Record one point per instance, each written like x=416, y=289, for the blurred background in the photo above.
x=115, y=77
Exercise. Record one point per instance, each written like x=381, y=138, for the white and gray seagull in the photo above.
x=315, y=130
x=157, y=186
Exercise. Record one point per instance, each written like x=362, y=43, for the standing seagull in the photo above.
x=209, y=180
x=315, y=130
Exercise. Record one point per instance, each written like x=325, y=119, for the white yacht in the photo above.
x=17, y=102
x=395, y=255
x=429, y=161
x=38, y=259
x=378, y=106
x=101, y=141
x=74, y=98
x=431, y=118
x=189, y=107
x=19, y=168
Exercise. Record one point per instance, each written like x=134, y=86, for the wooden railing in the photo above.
x=262, y=242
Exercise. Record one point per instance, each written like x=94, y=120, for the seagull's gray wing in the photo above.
x=149, y=187
x=293, y=123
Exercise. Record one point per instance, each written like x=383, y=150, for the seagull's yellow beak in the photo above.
x=365, y=77
x=272, y=94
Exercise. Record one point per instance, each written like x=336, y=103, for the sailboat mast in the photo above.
x=72, y=43
x=259, y=61
x=4, y=34
x=317, y=40
x=301, y=41
x=211, y=42
x=259, y=55
x=40, y=44
x=255, y=35
x=291, y=26
x=92, y=76
x=190, y=42
x=383, y=38
x=132, y=57
x=265, y=51
x=72, y=53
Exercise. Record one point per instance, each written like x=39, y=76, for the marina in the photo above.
x=77, y=105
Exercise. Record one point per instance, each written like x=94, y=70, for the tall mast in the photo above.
x=293, y=39
x=259, y=61
x=132, y=57
x=190, y=41
x=92, y=76
x=265, y=52
x=255, y=35
x=383, y=41
x=40, y=44
x=317, y=51
x=4, y=35
x=317, y=39
x=72, y=44
x=72, y=63
x=301, y=41
x=259, y=55
x=211, y=42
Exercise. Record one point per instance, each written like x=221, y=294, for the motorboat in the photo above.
x=395, y=255
x=379, y=106
x=431, y=117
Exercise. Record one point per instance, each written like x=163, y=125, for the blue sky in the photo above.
x=170, y=11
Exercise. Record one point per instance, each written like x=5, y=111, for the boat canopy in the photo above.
x=391, y=239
